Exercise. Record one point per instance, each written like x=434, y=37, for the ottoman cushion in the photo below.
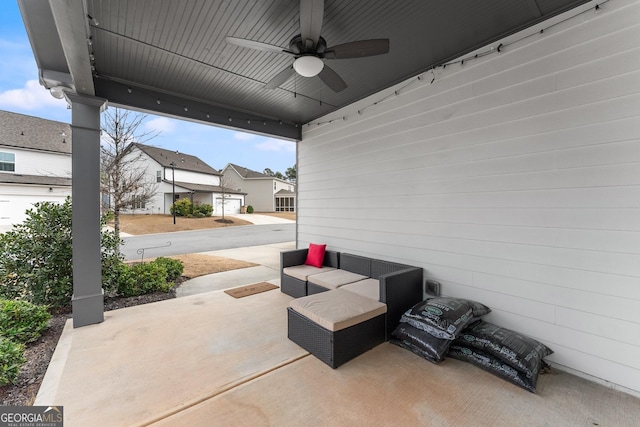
x=337, y=309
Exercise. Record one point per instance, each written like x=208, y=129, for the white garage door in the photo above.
x=13, y=208
x=231, y=206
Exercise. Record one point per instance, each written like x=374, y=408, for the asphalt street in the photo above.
x=188, y=242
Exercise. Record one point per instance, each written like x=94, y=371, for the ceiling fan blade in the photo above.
x=358, y=49
x=252, y=44
x=311, y=16
x=280, y=78
x=332, y=79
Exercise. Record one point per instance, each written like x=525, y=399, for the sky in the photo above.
x=21, y=93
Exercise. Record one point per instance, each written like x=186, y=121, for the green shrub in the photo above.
x=11, y=359
x=115, y=278
x=174, y=267
x=249, y=209
x=144, y=279
x=22, y=321
x=36, y=256
x=182, y=207
x=202, y=210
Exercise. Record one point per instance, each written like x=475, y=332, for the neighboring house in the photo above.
x=35, y=164
x=264, y=192
x=194, y=179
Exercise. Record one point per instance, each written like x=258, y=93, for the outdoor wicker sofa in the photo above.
x=339, y=322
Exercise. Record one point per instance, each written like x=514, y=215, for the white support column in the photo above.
x=88, y=296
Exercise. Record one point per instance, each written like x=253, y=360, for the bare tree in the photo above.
x=224, y=188
x=123, y=178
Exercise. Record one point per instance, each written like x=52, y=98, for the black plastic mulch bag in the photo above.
x=513, y=348
x=420, y=342
x=493, y=365
x=444, y=317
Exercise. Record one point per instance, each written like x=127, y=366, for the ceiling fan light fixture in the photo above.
x=308, y=66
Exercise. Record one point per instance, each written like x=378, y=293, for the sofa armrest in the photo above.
x=400, y=290
x=291, y=258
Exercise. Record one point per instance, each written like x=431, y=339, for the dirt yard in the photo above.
x=150, y=224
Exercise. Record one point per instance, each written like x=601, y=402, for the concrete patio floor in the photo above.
x=209, y=359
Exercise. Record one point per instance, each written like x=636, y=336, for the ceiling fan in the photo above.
x=309, y=49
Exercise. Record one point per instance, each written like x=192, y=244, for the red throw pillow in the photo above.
x=315, y=256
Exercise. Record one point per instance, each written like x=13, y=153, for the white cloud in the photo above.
x=272, y=144
x=243, y=136
x=160, y=124
x=31, y=97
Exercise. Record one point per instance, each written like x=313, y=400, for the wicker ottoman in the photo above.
x=337, y=325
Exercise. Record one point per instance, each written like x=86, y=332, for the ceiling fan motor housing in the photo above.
x=298, y=46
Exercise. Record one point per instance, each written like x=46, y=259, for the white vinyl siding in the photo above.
x=513, y=180
x=40, y=163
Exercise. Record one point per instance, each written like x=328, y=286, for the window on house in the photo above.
x=159, y=176
x=7, y=162
x=138, y=203
x=285, y=204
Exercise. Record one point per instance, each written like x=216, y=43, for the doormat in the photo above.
x=256, y=288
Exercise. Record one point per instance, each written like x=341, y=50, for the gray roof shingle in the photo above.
x=248, y=173
x=182, y=161
x=21, y=131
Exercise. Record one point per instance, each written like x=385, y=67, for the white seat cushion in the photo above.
x=335, y=278
x=301, y=272
x=369, y=288
x=337, y=309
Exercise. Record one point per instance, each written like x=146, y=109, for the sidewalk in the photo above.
x=258, y=219
x=268, y=256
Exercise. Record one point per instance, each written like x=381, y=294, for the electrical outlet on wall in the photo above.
x=432, y=287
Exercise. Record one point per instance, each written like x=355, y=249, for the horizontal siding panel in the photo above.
x=607, y=327
x=476, y=178
x=590, y=219
x=614, y=197
x=503, y=302
x=514, y=180
x=589, y=134
x=622, y=308
x=617, y=154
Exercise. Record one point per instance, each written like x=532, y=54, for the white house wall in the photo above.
x=259, y=191
x=193, y=177
x=281, y=185
x=513, y=180
x=41, y=163
x=139, y=161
